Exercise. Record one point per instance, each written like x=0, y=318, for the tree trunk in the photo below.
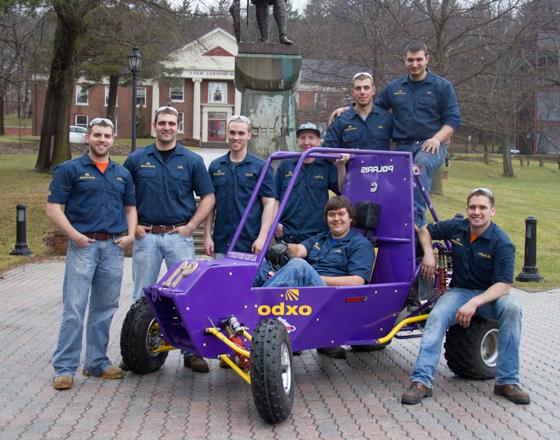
x=508, y=166
x=2, y=131
x=71, y=25
x=112, y=99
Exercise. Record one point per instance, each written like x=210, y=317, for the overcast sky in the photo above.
x=300, y=4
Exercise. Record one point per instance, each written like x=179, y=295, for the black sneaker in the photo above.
x=196, y=363
x=334, y=352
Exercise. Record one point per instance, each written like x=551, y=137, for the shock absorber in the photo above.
x=442, y=272
x=234, y=330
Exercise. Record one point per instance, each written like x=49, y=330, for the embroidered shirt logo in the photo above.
x=456, y=241
x=86, y=176
x=484, y=255
x=147, y=165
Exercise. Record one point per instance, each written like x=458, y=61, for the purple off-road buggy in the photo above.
x=212, y=308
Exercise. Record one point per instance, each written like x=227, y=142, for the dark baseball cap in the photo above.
x=308, y=126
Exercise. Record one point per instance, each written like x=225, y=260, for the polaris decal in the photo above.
x=377, y=169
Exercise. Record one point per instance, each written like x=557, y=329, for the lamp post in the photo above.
x=134, y=63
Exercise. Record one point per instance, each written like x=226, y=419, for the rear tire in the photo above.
x=472, y=352
x=140, y=335
x=272, y=375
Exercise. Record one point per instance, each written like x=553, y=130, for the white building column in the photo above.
x=196, y=108
x=237, y=103
x=155, y=104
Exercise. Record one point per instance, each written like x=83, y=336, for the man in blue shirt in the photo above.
x=91, y=200
x=483, y=258
x=234, y=176
x=364, y=125
x=303, y=217
x=338, y=257
x=425, y=116
x=167, y=176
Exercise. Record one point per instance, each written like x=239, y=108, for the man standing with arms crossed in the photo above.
x=483, y=258
x=234, y=176
x=91, y=200
x=166, y=176
x=362, y=125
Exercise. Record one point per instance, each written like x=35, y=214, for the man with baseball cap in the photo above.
x=302, y=217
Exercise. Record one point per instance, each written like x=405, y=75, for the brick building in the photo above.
x=203, y=92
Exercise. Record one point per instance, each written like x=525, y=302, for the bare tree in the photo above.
x=73, y=17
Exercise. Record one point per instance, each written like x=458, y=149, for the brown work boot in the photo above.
x=415, y=393
x=109, y=373
x=62, y=382
x=334, y=352
x=196, y=363
x=513, y=393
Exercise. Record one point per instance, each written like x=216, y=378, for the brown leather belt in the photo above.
x=103, y=236
x=162, y=229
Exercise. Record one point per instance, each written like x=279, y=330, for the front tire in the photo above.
x=141, y=335
x=472, y=352
x=272, y=375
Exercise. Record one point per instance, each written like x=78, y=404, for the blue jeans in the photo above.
x=427, y=163
x=296, y=273
x=93, y=272
x=505, y=310
x=150, y=251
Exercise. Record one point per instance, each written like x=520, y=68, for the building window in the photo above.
x=181, y=126
x=81, y=95
x=82, y=121
x=177, y=94
x=141, y=96
x=107, y=97
x=217, y=126
x=217, y=92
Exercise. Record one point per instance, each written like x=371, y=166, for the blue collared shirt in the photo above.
x=303, y=215
x=349, y=130
x=234, y=184
x=420, y=108
x=93, y=201
x=482, y=263
x=351, y=255
x=164, y=190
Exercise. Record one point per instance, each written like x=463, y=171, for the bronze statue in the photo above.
x=279, y=10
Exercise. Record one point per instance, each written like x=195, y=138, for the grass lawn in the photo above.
x=534, y=191
x=13, y=121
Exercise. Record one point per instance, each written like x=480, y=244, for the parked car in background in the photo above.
x=77, y=134
x=512, y=150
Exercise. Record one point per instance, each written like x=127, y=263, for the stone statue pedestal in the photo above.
x=267, y=76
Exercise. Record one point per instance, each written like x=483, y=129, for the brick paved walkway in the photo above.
x=335, y=399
